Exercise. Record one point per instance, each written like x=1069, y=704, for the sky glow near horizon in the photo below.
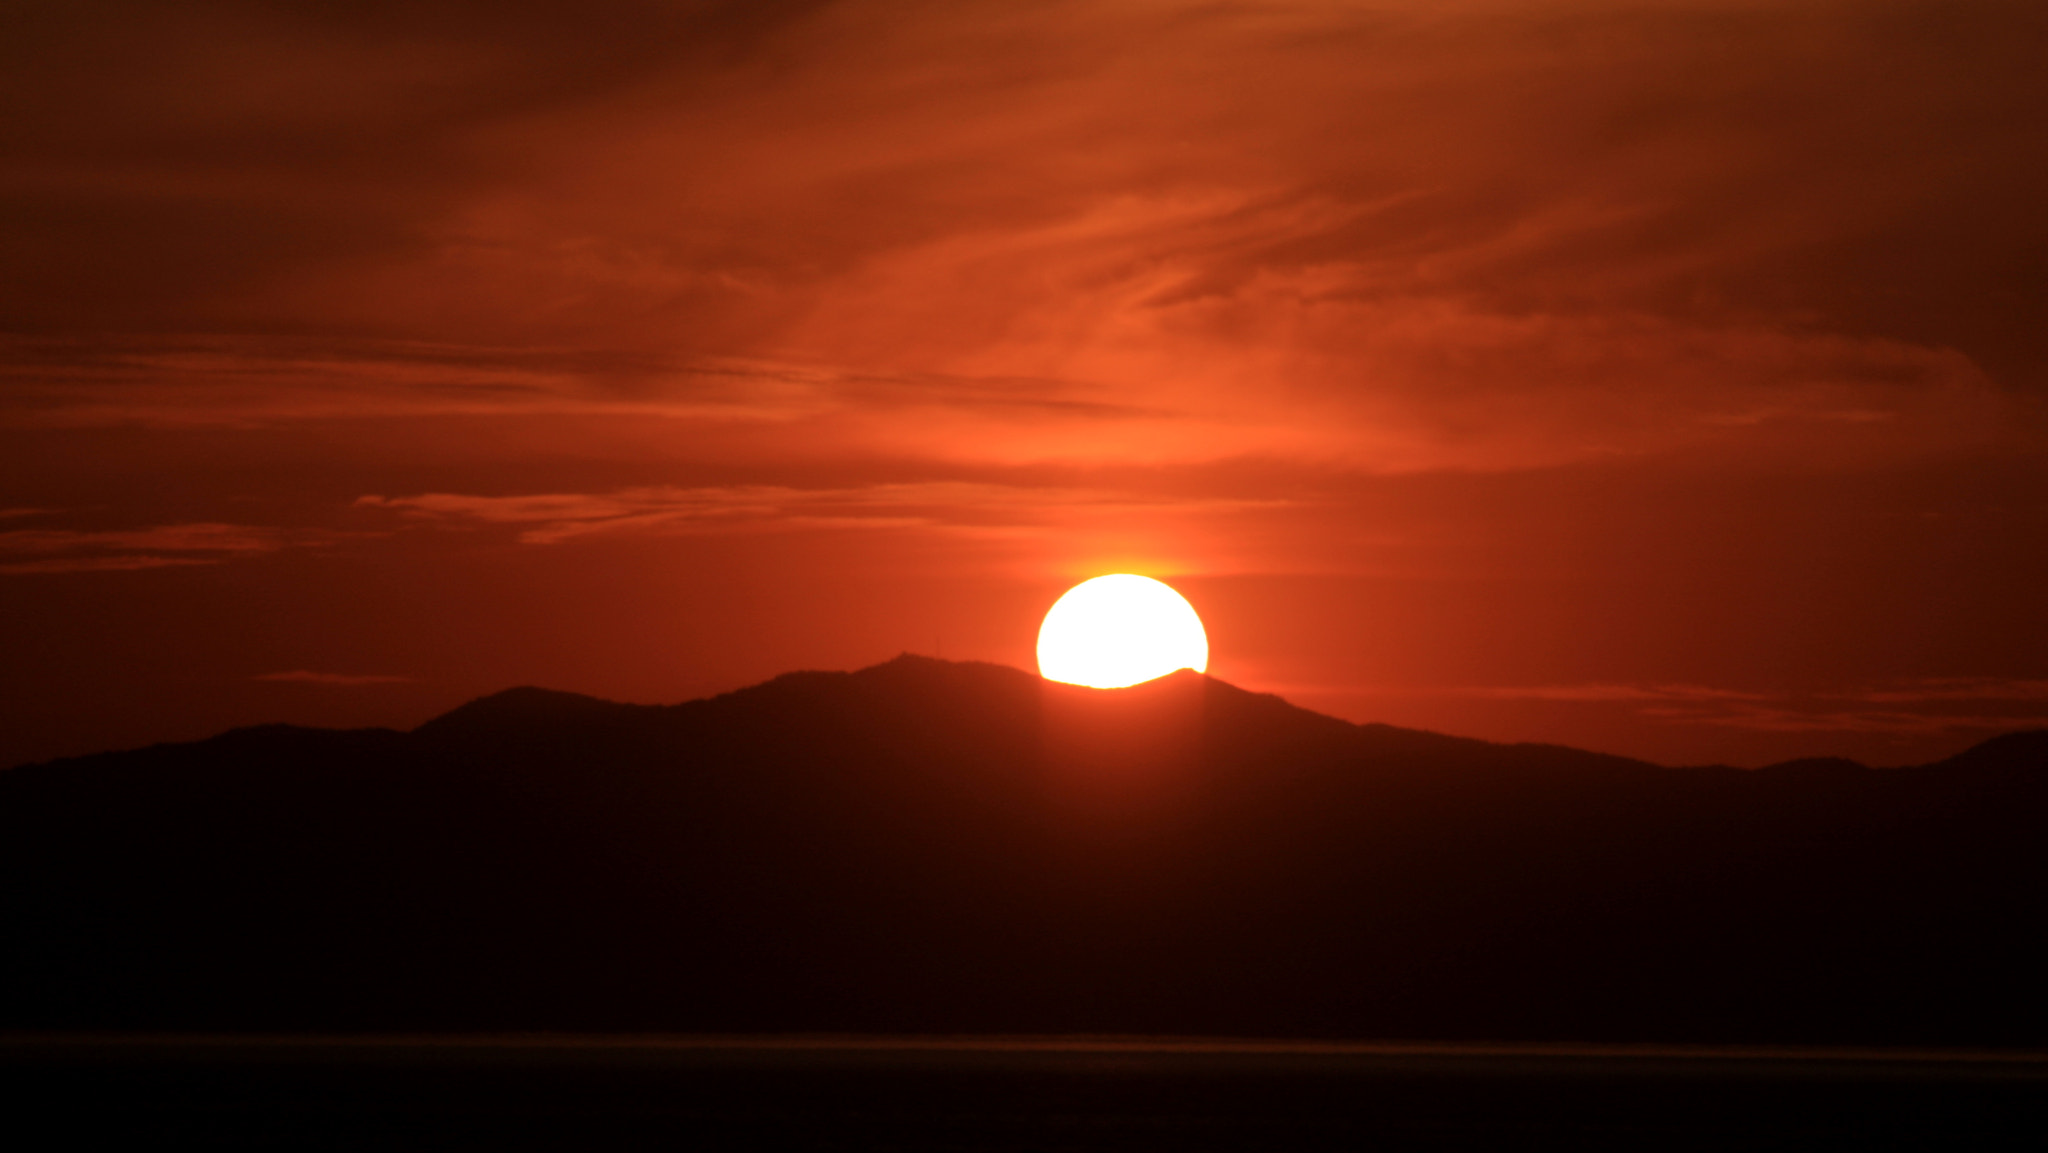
x=1660, y=378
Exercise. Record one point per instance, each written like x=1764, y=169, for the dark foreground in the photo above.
x=1051, y=1094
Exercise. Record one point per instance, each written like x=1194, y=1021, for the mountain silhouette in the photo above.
x=950, y=847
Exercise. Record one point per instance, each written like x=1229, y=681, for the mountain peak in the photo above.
x=523, y=706
x=2026, y=750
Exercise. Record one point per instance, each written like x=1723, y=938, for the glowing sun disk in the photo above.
x=1118, y=630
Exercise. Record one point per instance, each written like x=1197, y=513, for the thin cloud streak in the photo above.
x=222, y=538
x=1601, y=693
x=1956, y=689
x=338, y=680
x=1894, y=722
x=951, y=507
x=160, y=546
x=82, y=564
x=1761, y=711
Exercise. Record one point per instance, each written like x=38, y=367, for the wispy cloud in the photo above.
x=959, y=507
x=120, y=550
x=1955, y=689
x=99, y=564
x=1603, y=693
x=342, y=680
x=198, y=537
x=1915, y=708
x=243, y=381
x=1786, y=719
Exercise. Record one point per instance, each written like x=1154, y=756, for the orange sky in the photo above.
x=1664, y=378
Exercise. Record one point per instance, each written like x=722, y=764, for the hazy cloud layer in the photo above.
x=1389, y=237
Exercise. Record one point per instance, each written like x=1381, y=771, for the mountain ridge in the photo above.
x=524, y=705
x=939, y=847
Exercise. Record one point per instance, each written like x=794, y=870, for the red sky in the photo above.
x=1664, y=378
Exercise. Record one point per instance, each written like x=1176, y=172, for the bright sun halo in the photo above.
x=1118, y=630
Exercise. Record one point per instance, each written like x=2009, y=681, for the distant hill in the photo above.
x=928, y=846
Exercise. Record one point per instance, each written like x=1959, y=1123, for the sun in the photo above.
x=1118, y=630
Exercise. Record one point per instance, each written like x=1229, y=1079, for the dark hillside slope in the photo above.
x=947, y=847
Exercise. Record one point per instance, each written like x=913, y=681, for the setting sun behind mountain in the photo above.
x=1120, y=630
